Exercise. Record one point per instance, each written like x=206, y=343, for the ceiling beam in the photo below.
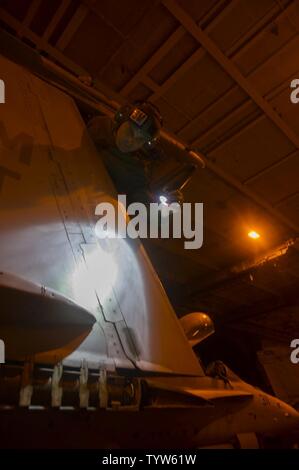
x=29, y=17
x=216, y=144
x=240, y=49
x=197, y=55
x=270, y=96
x=259, y=29
x=169, y=44
x=149, y=83
x=73, y=25
x=193, y=59
x=247, y=118
x=182, y=70
x=56, y=18
x=160, y=90
x=230, y=68
x=41, y=44
x=155, y=59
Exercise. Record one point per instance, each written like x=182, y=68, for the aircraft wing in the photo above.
x=204, y=390
x=51, y=179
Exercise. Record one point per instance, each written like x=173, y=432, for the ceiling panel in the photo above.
x=89, y=46
x=256, y=147
x=185, y=47
x=248, y=13
x=196, y=90
x=277, y=33
x=213, y=114
x=282, y=180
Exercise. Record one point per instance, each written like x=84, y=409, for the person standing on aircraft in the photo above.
x=127, y=146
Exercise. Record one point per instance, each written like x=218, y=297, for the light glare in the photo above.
x=253, y=234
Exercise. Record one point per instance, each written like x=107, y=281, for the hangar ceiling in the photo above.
x=220, y=72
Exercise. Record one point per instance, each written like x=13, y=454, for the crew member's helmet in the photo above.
x=144, y=115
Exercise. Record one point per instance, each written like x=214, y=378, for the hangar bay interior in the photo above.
x=220, y=73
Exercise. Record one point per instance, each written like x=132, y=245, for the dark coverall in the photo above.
x=129, y=171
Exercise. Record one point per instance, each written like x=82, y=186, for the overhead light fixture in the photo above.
x=253, y=234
